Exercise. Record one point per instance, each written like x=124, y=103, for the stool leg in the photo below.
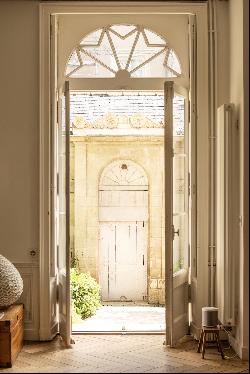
x=216, y=341
x=219, y=345
x=200, y=342
x=204, y=344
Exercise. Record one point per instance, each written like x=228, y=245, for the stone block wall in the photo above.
x=89, y=156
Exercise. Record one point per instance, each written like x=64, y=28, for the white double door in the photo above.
x=123, y=260
x=124, y=269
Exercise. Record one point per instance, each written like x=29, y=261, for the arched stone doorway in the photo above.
x=123, y=232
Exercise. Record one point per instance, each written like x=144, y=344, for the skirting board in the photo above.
x=195, y=331
x=242, y=351
x=31, y=334
x=48, y=334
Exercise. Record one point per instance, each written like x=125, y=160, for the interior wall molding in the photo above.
x=30, y=298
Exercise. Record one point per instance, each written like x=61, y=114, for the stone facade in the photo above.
x=89, y=156
x=106, y=127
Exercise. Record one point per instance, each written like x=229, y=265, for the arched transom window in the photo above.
x=123, y=173
x=123, y=49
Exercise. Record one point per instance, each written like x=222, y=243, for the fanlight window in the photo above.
x=123, y=173
x=133, y=49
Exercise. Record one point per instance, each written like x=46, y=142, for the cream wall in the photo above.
x=239, y=94
x=19, y=148
x=232, y=81
x=19, y=122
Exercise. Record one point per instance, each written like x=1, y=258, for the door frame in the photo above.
x=48, y=326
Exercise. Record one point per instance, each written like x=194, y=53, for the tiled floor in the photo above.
x=121, y=354
x=124, y=317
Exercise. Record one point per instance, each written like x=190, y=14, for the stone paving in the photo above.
x=124, y=317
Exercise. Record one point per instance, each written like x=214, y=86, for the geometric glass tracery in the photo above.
x=132, y=48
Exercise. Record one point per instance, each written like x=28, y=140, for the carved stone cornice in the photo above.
x=112, y=121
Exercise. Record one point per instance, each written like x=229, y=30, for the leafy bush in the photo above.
x=85, y=293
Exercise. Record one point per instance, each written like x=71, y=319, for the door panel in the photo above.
x=63, y=214
x=123, y=259
x=176, y=224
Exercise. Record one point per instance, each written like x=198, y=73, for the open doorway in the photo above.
x=117, y=230
x=122, y=215
x=117, y=207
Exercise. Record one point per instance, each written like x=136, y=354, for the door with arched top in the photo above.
x=138, y=52
x=123, y=232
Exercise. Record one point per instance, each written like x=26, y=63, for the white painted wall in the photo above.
x=19, y=132
x=232, y=86
x=19, y=135
x=19, y=129
x=238, y=94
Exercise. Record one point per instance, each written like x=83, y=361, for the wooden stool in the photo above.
x=215, y=331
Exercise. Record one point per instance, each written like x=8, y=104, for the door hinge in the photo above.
x=189, y=104
x=57, y=109
x=57, y=183
x=189, y=293
x=189, y=177
x=177, y=232
x=57, y=293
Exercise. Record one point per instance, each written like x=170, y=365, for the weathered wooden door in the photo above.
x=123, y=247
x=123, y=232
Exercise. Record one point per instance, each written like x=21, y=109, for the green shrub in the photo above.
x=85, y=293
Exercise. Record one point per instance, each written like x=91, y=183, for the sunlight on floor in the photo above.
x=123, y=318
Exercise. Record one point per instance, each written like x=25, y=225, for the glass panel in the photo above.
x=179, y=242
x=62, y=186
x=178, y=117
x=69, y=70
x=73, y=62
x=102, y=54
x=155, y=68
x=92, y=39
x=123, y=30
x=173, y=62
x=153, y=38
x=178, y=184
x=180, y=165
x=123, y=47
x=141, y=52
x=92, y=69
